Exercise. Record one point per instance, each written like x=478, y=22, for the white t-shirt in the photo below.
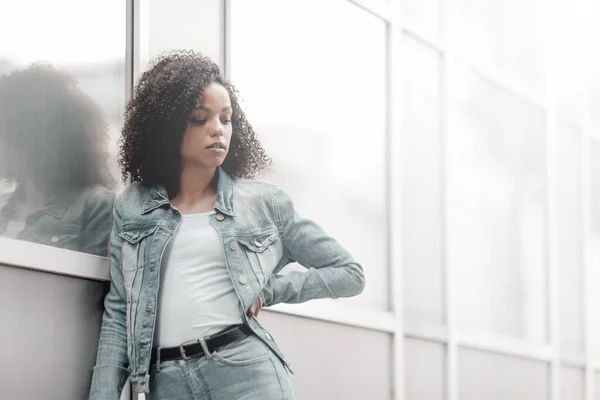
x=196, y=296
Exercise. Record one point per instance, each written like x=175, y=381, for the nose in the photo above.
x=216, y=128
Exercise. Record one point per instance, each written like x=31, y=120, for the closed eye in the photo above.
x=198, y=121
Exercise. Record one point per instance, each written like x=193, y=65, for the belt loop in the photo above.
x=207, y=353
x=158, y=359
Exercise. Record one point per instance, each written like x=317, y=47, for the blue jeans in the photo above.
x=243, y=370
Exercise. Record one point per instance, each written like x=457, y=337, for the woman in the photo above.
x=52, y=146
x=196, y=247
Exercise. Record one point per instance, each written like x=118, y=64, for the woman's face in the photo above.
x=206, y=140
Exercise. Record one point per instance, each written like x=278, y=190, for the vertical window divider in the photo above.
x=586, y=176
x=394, y=192
x=551, y=239
x=448, y=57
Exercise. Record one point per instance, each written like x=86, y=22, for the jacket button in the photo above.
x=55, y=239
x=233, y=246
x=220, y=217
x=257, y=243
x=136, y=235
x=243, y=280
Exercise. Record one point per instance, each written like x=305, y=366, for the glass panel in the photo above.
x=594, y=245
x=424, y=370
x=422, y=14
x=593, y=61
x=569, y=60
x=483, y=375
x=57, y=118
x=325, y=360
x=570, y=239
x=496, y=197
x=185, y=24
x=572, y=383
x=507, y=35
x=421, y=157
x=323, y=125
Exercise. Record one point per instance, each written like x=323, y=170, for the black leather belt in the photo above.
x=194, y=349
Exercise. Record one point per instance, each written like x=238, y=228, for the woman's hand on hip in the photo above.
x=254, y=308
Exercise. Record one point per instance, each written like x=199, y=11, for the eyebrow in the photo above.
x=204, y=108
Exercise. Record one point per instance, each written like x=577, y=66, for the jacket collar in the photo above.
x=224, y=203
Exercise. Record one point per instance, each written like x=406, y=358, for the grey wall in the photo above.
x=49, y=326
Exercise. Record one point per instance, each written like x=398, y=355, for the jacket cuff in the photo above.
x=266, y=296
x=108, y=382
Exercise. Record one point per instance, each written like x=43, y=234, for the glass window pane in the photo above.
x=483, y=375
x=422, y=14
x=327, y=360
x=594, y=244
x=593, y=61
x=424, y=370
x=569, y=60
x=317, y=102
x=60, y=119
x=506, y=35
x=572, y=383
x=421, y=157
x=496, y=197
x=570, y=239
x=185, y=24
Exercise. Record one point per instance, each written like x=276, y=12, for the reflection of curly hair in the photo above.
x=159, y=113
x=51, y=127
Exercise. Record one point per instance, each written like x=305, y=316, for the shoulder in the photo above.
x=132, y=198
x=96, y=197
x=249, y=189
x=100, y=194
x=263, y=194
x=133, y=193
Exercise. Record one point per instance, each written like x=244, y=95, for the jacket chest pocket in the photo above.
x=263, y=252
x=135, y=244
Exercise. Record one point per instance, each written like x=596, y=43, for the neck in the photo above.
x=195, y=187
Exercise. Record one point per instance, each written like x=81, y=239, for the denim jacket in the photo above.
x=78, y=220
x=261, y=232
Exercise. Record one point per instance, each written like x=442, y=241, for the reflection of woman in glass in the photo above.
x=196, y=248
x=52, y=139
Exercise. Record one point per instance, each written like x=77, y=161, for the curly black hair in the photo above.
x=159, y=113
x=50, y=125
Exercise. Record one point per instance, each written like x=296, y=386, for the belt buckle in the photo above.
x=182, y=350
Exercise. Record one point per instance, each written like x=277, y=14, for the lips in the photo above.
x=216, y=145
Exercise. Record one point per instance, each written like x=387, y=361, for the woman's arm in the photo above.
x=110, y=372
x=331, y=270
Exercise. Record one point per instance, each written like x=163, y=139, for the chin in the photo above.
x=212, y=163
